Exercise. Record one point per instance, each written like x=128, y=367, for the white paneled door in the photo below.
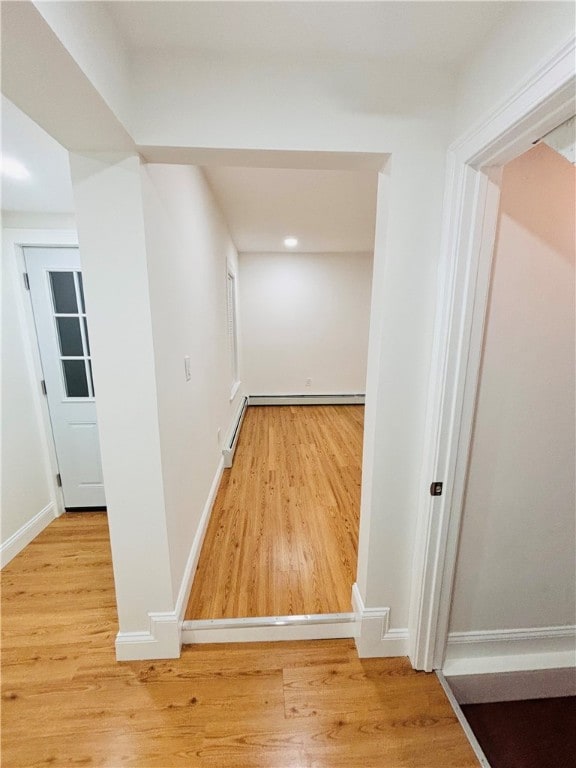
x=55, y=279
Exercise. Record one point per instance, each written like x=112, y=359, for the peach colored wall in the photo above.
x=516, y=564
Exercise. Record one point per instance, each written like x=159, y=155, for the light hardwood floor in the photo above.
x=66, y=702
x=283, y=536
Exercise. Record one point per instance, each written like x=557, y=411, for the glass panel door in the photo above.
x=72, y=330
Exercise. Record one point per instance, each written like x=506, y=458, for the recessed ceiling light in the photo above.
x=290, y=242
x=13, y=169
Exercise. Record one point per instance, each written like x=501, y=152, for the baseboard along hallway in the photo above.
x=283, y=535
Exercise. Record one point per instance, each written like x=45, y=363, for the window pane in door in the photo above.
x=64, y=292
x=70, y=336
x=75, y=378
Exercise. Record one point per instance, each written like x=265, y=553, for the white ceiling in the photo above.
x=327, y=211
x=441, y=33
x=48, y=189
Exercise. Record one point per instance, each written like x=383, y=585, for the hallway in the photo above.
x=283, y=535
x=66, y=701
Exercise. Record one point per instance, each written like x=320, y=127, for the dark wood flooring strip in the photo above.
x=538, y=733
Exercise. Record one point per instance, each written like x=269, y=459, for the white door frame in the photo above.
x=14, y=240
x=471, y=211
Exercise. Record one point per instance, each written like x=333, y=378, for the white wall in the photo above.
x=155, y=281
x=33, y=220
x=109, y=213
x=92, y=39
x=183, y=101
x=266, y=104
x=25, y=487
x=51, y=88
x=326, y=106
x=189, y=250
x=408, y=118
x=29, y=497
x=305, y=315
x=342, y=107
x=401, y=327
x=524, y=38
x=517, y=558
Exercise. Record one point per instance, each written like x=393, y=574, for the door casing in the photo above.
x=470, y=219
x=15, y=240
x=73, y=421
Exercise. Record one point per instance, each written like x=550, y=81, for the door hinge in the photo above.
x=436, y=489
x=43, y=385
x=26, y=281
x=58, y=480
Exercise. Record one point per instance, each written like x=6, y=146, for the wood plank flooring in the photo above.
x=67, y=702
x=283, y=536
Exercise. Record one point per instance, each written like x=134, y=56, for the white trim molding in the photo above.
x=163, y=639
x=196, y=548
x=305, y=399
x=323, y=626
x=14, y=240
x=514, y=686
x=27, y=533
x=374, y=637
x=510, y=650
x=543, y=101
x=234, y=391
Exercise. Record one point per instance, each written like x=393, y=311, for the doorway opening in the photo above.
x=514, y=594
x=282, y=541
x=54, y=278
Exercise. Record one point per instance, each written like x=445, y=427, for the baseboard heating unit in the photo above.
x=228, y=452
x=303, y=399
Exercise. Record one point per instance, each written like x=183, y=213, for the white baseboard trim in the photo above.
x=270, y=628
x=510, y=650
x=196, y=548
x=374, y=637
x=307, y=399
x=24, y=535
x=163, y=639
x=514, y=686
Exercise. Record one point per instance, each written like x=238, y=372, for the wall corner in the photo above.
x=374, y=636
x=161, y=641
